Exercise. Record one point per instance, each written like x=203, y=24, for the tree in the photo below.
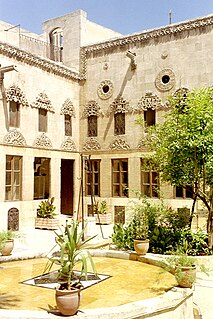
x=183, y=146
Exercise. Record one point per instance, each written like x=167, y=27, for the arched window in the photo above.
x=56, y=44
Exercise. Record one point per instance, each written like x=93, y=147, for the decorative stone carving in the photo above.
x=105, y=89
x=119, y=144
x=149, y=101
x=92, y=108
x=144, y=142
x=14, y=137
x=92, y=144
x=13, y=219
x=165, y=80
x=68, y=108
x=15, y=94
x=142, y=37
x=68, y=145
x=42, y=141
x=181, y=92
x=39, y=62
x=119, y=105
x=42, y=102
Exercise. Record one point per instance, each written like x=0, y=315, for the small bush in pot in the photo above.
x=6, y=242
x=46, y=209
x=71, y=252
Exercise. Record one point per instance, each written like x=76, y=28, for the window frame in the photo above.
x=150, y=120
x=12, y=171
x=119, y=118
x=91, y=165
x=92, y=126
x=152, y=193
x=184, y=192
x=41, y=170
x=42, y=120
x=120, y=174
x=67, y=125
x=14, y=117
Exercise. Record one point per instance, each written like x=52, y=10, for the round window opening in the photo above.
x=165, y=79
x=105, y=89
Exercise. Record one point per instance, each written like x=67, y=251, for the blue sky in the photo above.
x=124, y=16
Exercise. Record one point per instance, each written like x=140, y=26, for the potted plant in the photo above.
x=46, y=216
x=6, y=242
x=71, y=252
x=139, y=228
x=184, y=268
x=102, y=215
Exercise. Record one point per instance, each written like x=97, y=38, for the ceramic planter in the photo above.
x=141, y=246
x=104, y=219
x=7, y=247
x=68, y=301
x=46, y=223
x=185, y=276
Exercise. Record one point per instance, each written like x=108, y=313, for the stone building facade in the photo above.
x=68, y=116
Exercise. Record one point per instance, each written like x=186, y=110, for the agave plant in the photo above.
x=71, y=252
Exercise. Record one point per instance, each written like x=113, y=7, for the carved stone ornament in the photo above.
x=119, y=105
x=14, y=137
x=165, y=80
x=181, y=92
x=149, y=101
x=92, y=108
x=15, y=94
x=92, y=144
x=68, y=108
x=42, y=102
x=119, y=144
x=68, y=145
x=105, y=89
x=37, y=61
x=42, y=141
x=143, y=143
x=169, y=30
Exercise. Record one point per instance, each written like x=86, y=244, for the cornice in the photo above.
x=37, y=61
x=151, y=34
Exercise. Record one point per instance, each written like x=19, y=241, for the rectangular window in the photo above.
x=119, y=123
x=14, y=114
x=120, y=177
x=68, y=125
x=93, y=178
x=41, y=178
x=92, y=126
x=149, y=179
x=182, y=192
x=119, y=213
x=149, y=117
x=42, y=121
x=13, y=177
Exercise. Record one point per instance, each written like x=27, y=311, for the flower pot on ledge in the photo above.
x=103, y=219
x=46, y=223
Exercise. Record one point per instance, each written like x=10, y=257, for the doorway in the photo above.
x=67, y=186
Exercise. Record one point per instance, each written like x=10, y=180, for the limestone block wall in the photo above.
x=162, y=61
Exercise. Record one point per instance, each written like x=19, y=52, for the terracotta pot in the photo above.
x=185, y=276
x=141, y=246
x=68, y=301
x=7, y=247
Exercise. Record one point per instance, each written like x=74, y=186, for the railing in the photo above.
x=41, y=48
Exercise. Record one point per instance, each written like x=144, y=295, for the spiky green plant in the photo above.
x=71, y=252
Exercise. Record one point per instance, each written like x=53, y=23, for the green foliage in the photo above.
x=71, y=253
x=138, y=223
x=183, y=145
x=194, y=243
x=102, y=207
x=4, y=236
x=46, y=209
x=167, y=229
